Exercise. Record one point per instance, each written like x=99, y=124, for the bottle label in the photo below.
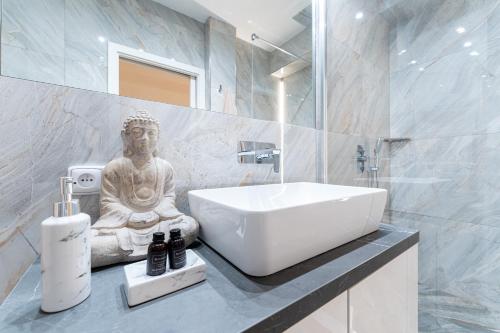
x=180, y=258
x=158, y=263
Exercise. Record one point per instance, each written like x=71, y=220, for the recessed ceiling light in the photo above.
x=421, y=69
x=474, y=53
x=402, y=52
x=460, y=30
x=359, y=15
x=413, y=62
x=467, y=44
x=101, y=39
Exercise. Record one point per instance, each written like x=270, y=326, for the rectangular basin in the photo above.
x=266, y=228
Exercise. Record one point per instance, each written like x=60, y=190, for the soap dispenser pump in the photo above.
x=65, y=253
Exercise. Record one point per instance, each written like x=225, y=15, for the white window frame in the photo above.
x=117, y=51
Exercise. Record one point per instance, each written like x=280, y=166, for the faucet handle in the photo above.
x=276, y=160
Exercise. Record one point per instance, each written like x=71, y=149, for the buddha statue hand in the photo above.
x=143, y=220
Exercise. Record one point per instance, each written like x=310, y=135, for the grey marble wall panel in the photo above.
x=299, y=98
x=342, y=166
x=256, y=90
x=444, y=95
x=37, y=26
x=358, y=90
x=244, y=72
x=47, y=128
x=358, y=93
x=430, y=32
x=299, y=151
x=457, y=288
x=358, y=25
x=57, y=41
x=265, y=87
x=221, y=53
x=345, y=95
x=32, y=65
x=16, y=255
x=451, y=178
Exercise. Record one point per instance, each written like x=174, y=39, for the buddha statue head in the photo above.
x=140, y=135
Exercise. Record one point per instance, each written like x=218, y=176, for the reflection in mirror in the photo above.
x=250, y=58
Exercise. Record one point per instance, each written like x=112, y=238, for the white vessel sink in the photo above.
x=266, y=228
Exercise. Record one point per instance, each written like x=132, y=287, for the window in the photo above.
x=154, y=83
x=138, y=74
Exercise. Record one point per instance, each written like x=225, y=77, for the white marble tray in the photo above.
x=140, y=287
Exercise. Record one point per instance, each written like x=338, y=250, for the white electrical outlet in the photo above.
x=86, y=179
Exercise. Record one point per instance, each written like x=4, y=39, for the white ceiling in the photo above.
x=270, y=19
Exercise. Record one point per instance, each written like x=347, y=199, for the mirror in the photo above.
x=250, y=58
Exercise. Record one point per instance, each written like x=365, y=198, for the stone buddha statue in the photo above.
x=137, y=198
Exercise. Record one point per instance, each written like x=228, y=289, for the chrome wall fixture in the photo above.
x=373, y=169
x=361, y=159
x=259, y=153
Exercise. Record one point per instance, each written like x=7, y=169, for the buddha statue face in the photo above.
x=143, y=139
x=140, y=136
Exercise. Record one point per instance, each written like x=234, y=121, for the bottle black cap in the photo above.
x=175, y=233
x=158, y=237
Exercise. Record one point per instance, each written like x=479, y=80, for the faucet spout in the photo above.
x=272, y=154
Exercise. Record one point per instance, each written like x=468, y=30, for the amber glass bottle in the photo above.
x=157, y=255
x=176, y=250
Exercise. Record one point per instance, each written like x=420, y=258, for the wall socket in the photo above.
x=86, y=179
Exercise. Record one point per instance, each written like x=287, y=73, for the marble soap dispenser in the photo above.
x=65, y=253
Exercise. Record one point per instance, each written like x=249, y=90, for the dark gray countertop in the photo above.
x=228, y=301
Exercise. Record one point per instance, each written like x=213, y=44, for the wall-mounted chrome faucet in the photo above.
x=361, y=158
x=373, y=169
x=259, y=153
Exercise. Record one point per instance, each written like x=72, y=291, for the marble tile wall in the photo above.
x=45, y=128
x=256, y=89
x=357, y=88
x=244, y=73
x=57, y=41
x=220, y=39
x=265, y=87
x=299, y=98
x=445, y=96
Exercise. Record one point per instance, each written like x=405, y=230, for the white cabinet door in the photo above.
x=330, y=318
x=386, y=301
